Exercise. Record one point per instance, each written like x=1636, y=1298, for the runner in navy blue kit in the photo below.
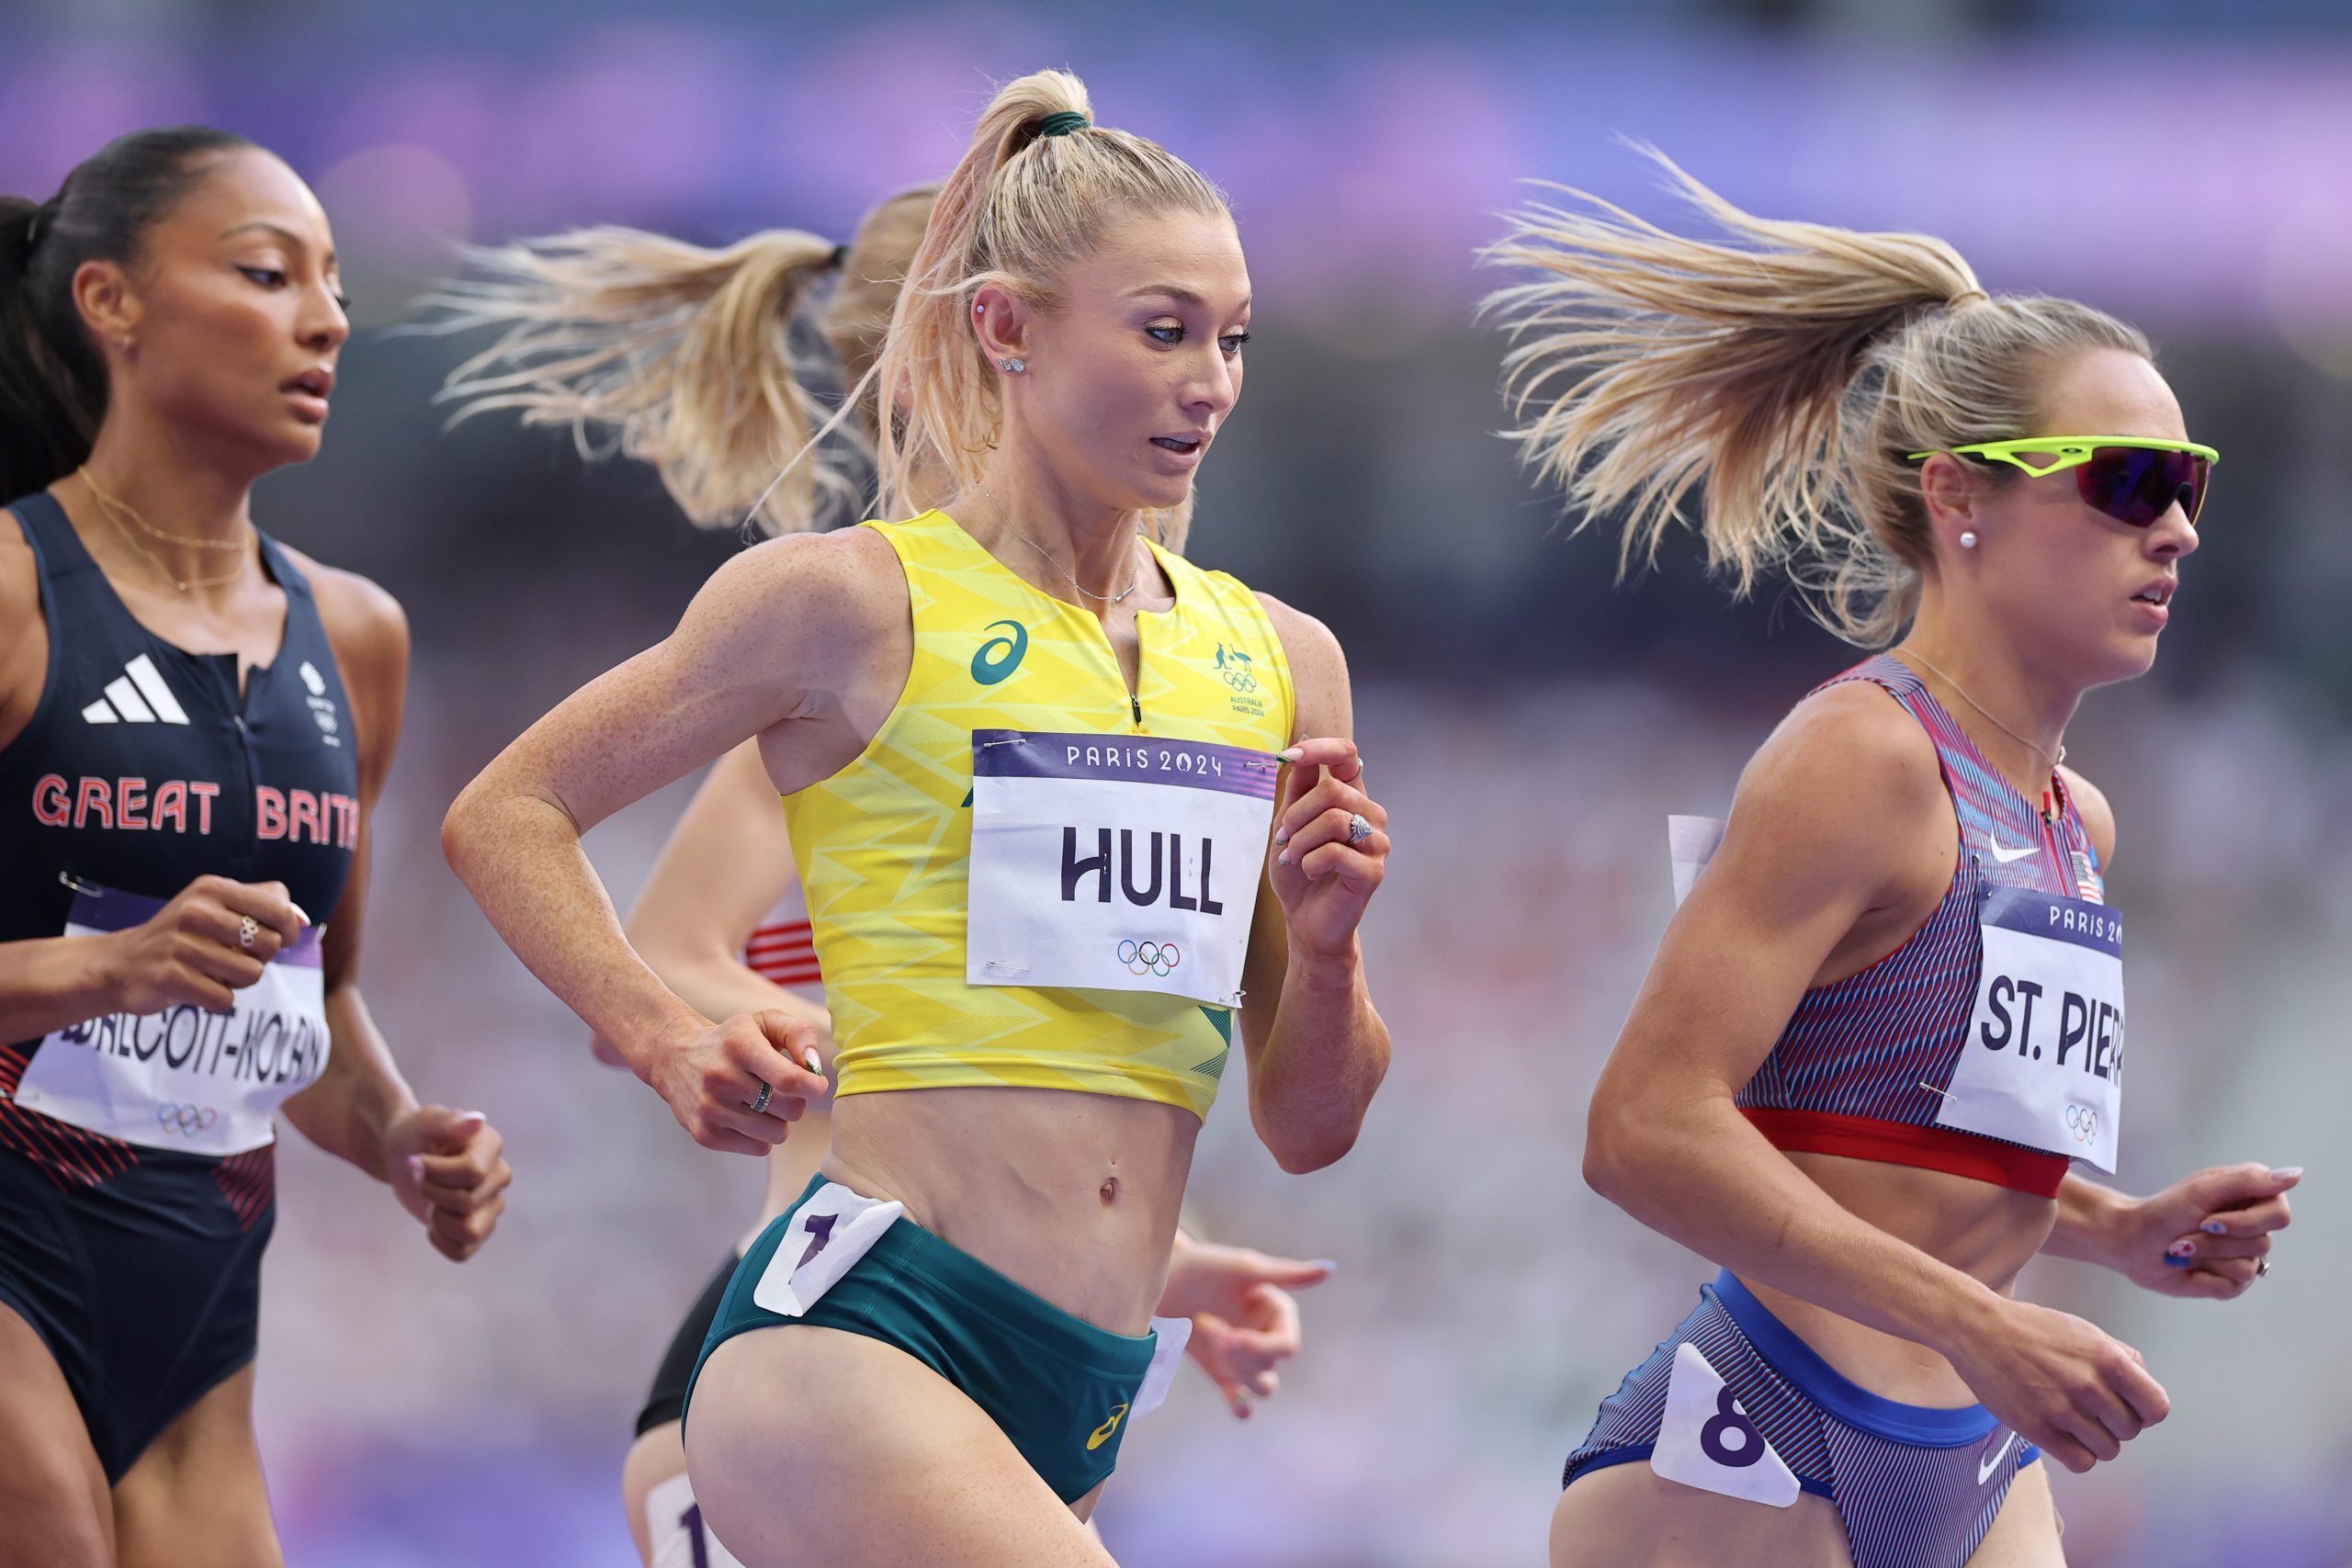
x=195, y=722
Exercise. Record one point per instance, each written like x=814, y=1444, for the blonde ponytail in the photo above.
x=1791, y=373
x=683, y=354
x=1021, y=204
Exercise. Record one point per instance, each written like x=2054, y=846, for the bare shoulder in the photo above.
x=810, y=587
x=2099, y=817
x=1318, y=668
x=1848, y=779
x=24, y=636
x=365, y=624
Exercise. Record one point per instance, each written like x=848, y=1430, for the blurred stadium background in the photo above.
x=1529, y=722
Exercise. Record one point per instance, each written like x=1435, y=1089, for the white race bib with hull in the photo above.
x=1115, y=863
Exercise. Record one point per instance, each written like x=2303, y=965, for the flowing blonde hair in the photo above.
x=1792, y=371
x=686, y=355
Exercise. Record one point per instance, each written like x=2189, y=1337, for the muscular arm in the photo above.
x=724, y=864
x=1827, y=835
x=361, y=1092
x=1317, y=1048
x=805, y=605
x=49, y=982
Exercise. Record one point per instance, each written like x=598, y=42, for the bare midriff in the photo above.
x=1986, y=1232
x=1072, y=1196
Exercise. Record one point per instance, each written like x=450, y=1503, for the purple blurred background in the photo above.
x=2185, y=164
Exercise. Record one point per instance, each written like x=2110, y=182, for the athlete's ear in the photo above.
x=108, y=304
x=1003, y=320
x=1955, y=494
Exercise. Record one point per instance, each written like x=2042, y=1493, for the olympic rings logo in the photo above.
x=1154, y=958
x=186, y=1120
x=2082, y=1121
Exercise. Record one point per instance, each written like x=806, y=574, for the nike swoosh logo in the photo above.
x=1984, y=1471
x=2004, y=855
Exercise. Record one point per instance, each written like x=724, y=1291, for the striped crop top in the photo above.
x=1863, y=1064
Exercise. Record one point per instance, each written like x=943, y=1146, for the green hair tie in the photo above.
x=1061, y=122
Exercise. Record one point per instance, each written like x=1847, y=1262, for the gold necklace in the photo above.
x=182, y=585
x=125, y=508
x=1981, y=710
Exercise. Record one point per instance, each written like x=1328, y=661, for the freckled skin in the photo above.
x=805, y=642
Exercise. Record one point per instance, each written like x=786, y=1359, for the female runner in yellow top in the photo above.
x=1029, y=794
x=721, y=918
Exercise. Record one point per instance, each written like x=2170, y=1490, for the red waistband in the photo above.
x=1900, y=1143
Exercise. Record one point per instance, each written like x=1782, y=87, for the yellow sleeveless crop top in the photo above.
x=884, y=845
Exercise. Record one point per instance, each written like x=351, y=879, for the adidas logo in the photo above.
x=138, y=696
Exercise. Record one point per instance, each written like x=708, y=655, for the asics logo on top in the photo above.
x=1102, y=1434
x=999, y=656
x=138, y=696
x=2004, y=854
x=1984, y=1471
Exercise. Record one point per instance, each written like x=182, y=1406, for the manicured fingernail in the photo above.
x=813, y=1064
x=1292, y=755
x=2213, y=1227
x=2285, y=1172
x=2173, y=1262
x=298, y=914
x=1327, y=1264
x=1283, y=859
x=1282, y=837
x=416, y=1167
x=2182, y=1248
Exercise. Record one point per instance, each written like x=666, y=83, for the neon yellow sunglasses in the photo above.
x=2133, y=478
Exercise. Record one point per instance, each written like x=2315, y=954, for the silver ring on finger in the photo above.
x=1358, y=829
x=759, y=1100
x=247, y=928
x=2261, y=1267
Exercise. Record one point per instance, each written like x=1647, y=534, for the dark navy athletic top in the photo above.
x=142, y=769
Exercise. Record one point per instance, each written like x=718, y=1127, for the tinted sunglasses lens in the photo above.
x=2139, y=484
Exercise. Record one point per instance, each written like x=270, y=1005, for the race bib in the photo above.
x=1690, y=844
x=1114, y=862
x=185, y=1078
x=1706, y=1440
x=825, y=1236
x=1167, y=1355
x=2043, y=1064
x=675, y=1530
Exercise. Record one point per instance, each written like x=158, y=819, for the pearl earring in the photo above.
x=1013, y=366
x=1968, y=541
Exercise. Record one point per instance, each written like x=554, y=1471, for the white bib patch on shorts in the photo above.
x=828, y=1233
x=675, y=1530
x=1706, y=1438
x=2044, y=1061
x=1114, y=862
x=1167, y=1355
x=209, y=1083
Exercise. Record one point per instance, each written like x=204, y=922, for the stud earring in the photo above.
x=1013, y=366
x=1968, y=541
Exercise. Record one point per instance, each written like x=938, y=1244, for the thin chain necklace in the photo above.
x=1134, y=578
x=126, y=508
x=1986, y=713
x=113, y=508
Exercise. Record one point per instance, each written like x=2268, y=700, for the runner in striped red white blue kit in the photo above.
x=195, y=723
x=1888, y=1015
